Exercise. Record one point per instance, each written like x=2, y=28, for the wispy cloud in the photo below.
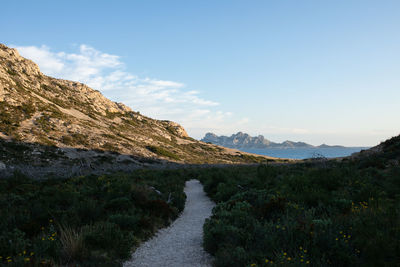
x=157, y=98
x=161, y=99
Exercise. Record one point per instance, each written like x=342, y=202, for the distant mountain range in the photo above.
x=244, y=141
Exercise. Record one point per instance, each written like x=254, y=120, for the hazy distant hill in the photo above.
x=244, y=141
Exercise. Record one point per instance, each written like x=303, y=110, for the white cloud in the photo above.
x=162, y=99
x=43, y=57
x=165, y=99
x=165, y=83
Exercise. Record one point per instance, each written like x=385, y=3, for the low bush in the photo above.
x=110, y=147
x=11, y=72
x=338, y=214
x=85, y=221
x=163, y=152
x=11, y=116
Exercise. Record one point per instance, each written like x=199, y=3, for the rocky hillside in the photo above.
x=243, y=140
x=45, y=113
x=384, y=155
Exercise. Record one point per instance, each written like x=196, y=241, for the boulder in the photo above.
x=2, y=166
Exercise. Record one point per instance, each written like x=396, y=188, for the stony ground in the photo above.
x=181, y=243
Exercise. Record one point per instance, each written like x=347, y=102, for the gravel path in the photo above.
x=181, y=243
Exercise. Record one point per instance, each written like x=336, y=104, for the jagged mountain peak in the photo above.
x=243, y=140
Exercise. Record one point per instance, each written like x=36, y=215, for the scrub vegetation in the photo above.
x=85, y=221
x=316, y=214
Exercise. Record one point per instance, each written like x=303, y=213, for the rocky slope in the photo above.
x=386, y=153
x=80, y=125
x=245, y=141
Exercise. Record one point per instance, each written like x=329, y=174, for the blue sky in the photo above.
x=313, y=71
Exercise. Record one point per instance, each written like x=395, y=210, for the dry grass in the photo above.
x=72, y=243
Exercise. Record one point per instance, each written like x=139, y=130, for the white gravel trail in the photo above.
x=181, y=243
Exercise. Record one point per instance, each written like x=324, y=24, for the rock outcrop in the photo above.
x=176, y=128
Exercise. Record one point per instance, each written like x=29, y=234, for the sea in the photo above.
x=304, y=153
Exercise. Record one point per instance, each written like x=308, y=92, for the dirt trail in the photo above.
x=181, y=243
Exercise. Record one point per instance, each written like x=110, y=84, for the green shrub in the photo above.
x=11, y=72
x=85, y=221
x=80, y=139
x=120, y=203
x=328, y=215
x=68, y=140
x=163, y=152
x=44, y=123
x=109, y=238
x=11, y=116
x=125, y=222
x=110, y=147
